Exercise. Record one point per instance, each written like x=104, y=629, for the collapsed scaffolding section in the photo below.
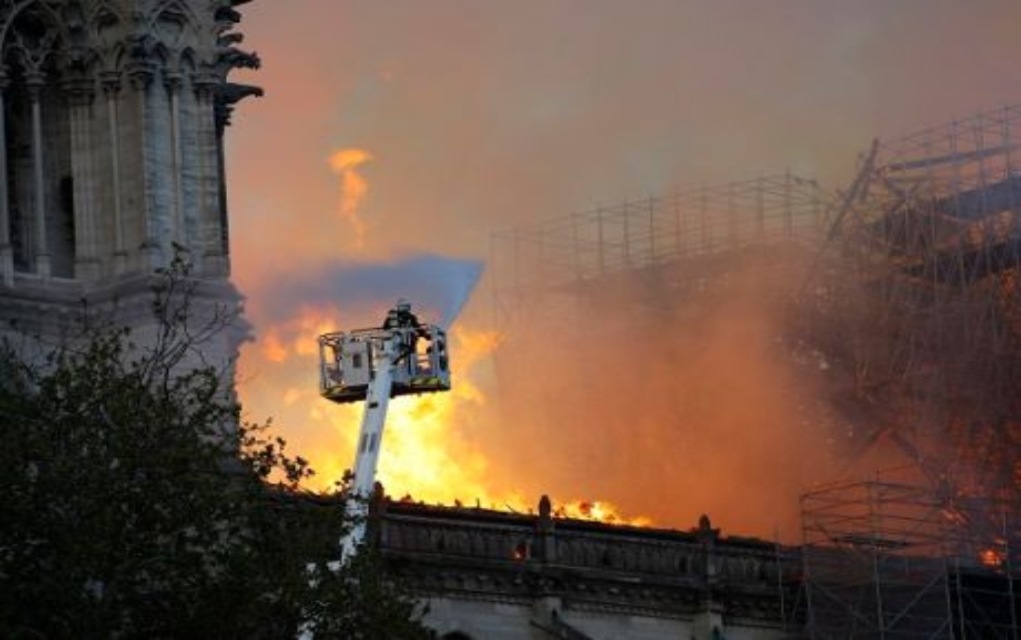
x=890, y=559
x=919, y=299
x=682, y=233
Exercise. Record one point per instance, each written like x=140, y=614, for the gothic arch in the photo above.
x=36, y=21
x=112, y=57
x=177, y=9
x=172, y=21
x=104, y=13
x=186, y=60
x=15, y=13
x=89, y=87
x=38, y=195
x=104, y=22
x=162, y=53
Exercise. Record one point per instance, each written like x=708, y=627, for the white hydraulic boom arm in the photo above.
x=401, y=358
x=370, y=439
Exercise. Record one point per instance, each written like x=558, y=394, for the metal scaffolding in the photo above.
x=911, y=306
x=916, y=301
x=893, y=560
x=682, y=233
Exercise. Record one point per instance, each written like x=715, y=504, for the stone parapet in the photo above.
x=594, y=574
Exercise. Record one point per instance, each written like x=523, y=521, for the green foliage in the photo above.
x=136, y=503
x=363, y=602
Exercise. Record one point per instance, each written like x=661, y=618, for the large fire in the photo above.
x=702, y=424
x=429, y=453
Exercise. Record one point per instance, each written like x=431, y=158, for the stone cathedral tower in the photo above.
x=112, y=119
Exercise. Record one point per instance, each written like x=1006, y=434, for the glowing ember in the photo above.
x=520, y=551
x=992, y=558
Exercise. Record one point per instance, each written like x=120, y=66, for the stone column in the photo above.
x=221, y=119
x=6, y=251
x=140, y=74
x=34, y=80
x=545, y=531
x=173, y=83
x=708, y=622
x=213, y=257
x=111, y=81
x=80, y=95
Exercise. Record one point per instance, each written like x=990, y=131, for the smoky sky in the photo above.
x=482, y=116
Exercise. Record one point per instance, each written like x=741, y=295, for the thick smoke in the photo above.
x=673, y=410
x=492, y=115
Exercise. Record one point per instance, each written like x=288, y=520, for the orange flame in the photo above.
x=353, y=188
x=426, y=452
x=992, y=558
x=429, y=452
x=598, y=511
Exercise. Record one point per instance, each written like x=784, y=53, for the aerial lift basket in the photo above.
x=348, y=362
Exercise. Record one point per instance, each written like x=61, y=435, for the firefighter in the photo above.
x=405, y=318
x=401, y=317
